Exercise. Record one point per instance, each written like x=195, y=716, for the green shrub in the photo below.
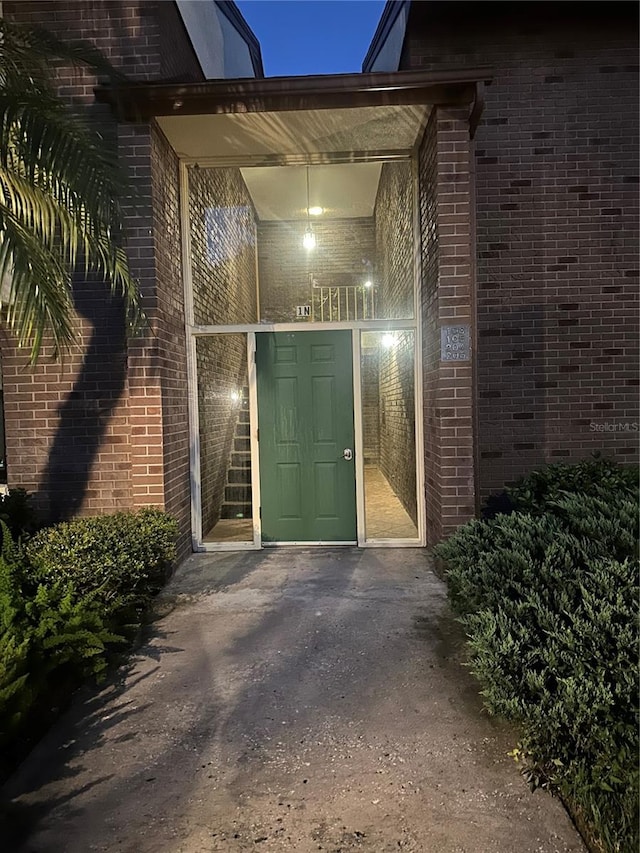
x=66, y=597
x=121, y=560
x=16, y=510
x=549, y=602
x=596, y=477
x=49, y=637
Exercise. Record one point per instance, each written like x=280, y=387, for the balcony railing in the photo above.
x=335, y=304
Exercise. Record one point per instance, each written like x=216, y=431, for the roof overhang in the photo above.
x=140, y=102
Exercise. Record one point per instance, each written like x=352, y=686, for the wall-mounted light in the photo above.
x=368, y=283
x=309, y=238
x=236, y=396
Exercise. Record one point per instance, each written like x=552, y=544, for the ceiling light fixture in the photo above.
x=368, y=283
x=309, y=239
x=316, y=210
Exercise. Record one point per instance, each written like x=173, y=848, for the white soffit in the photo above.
x=342, y=191
x=255, y=134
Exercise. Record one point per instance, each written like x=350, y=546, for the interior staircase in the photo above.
x=237, y=490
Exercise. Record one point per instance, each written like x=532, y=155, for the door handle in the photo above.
x=347, y=454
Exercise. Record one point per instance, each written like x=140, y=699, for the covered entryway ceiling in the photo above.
x=337, y=140
x=261, y=136
x=337, y=114
x=357, y=119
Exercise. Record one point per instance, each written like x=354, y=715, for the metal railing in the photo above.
x=333, y=304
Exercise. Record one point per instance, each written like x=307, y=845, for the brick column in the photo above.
x=447, y=299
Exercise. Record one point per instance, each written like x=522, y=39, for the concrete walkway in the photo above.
x=288, y=700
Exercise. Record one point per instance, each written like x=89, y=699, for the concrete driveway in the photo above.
x=288, y=700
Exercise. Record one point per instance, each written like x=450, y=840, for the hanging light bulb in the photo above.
x=309, y=238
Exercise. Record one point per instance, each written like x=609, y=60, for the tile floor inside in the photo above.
x=386, y=518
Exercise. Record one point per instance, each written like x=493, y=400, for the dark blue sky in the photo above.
x=312, y=36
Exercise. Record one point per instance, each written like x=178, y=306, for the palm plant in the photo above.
x=60, y=190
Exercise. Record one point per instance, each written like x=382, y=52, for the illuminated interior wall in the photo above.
x=397, y=449
x=394, y=241
x=223, y=247
x=395, y=275
x=343, y=257
x=222, y=375
x=223, y=256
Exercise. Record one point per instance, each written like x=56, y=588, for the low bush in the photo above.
x=67, y=597
x=595, y=477
x=49, y=638
x=121, y=560
x=17, y=512
x=549, y=602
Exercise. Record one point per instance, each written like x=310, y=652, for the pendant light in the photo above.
x=309, y=239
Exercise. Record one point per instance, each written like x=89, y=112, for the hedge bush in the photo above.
x=66, y=599
x=16, y=510
x=50, y=638
x=549, y=602
x=121, y=560
x=595, y=477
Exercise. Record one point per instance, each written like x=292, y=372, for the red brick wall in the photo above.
x=556, y=177
x=223, y=263
x=393, y=217
x=106, y=428
x=171, y=340
x=445, y=187
x=223, y=247
x=394, y=241
x=397, y=419
x=222, y=374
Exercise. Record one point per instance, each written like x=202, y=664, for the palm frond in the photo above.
x=60, y=193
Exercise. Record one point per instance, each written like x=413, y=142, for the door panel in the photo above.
x=305, y=416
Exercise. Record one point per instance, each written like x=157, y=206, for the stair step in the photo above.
x=240, y=444
x=237, y=493
x=242, y=430
x=241, y=459
x=239, y=475
x=236, y=510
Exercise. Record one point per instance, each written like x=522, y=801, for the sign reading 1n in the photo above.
x=303, y=310
x=455, y=343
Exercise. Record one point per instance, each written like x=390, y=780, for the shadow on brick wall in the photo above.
x=84, y=416
x=516, y=373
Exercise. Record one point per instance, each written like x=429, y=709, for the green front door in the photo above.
x=305, y=418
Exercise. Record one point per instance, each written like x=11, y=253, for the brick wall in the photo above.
x=171, y=340
x=146, y=40
x=393, y=216
x=285, y=266
x=427, y=182
x=222, y=373
x=223, y=255
x=223, y=247
x=397, y=419
x=556, y=176
x=104, y=428
x=370, y=378
x=446, y=294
